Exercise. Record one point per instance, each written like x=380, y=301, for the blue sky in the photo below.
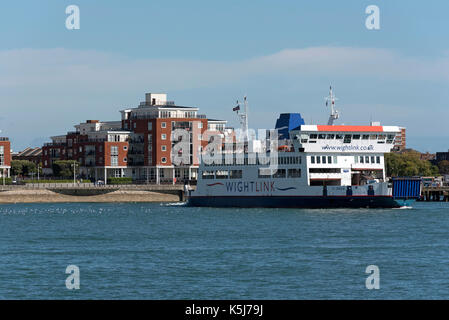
x=282, y=54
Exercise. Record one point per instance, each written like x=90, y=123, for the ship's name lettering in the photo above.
x=250, y=186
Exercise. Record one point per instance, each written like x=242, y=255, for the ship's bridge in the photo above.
x=344, y=138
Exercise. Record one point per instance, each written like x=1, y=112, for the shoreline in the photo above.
x=48, y=196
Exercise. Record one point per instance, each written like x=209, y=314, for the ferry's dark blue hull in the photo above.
x=297, y=202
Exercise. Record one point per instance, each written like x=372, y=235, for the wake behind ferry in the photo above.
x=311, y=166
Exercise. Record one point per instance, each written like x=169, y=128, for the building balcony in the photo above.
x=156, y=116
x=135, y=163
x=51, y=144
x=135, y=152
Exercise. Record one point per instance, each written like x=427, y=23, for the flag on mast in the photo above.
x=237, y=108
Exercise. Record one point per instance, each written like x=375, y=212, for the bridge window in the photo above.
x=356, y=137
x=361, y=159
x=279, y=173
x=329, y=159
x=294, y=173
x=365, y=137
x=207, y=175
x=313, y=136
x=323, y=159
x=312, y=159
x=377, y=159
x=390, y=138
x=366, y=159
x=321, y=136
x=235, y=174
x=347, y=138
x=324, y=170
x=330, y=136
x=318, y=160
x=221, y=174
x=264, y=173
x=338, y=136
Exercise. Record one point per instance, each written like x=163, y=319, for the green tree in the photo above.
x=443, y=166
x=64, y=168
x=22, y=167
x=408, y=164
x=16, y=167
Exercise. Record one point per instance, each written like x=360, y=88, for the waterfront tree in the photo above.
x=64, y=168
x=408, y=164
x=443, y=166
x=22, y=168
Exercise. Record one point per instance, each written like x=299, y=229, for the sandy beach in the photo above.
x=48, y=196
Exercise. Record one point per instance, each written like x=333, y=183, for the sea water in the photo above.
x=168, y=251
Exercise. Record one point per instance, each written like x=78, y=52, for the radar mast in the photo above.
x=330, y=99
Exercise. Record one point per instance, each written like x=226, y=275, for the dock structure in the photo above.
x=435, y=194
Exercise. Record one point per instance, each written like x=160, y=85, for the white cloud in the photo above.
x=92, y=70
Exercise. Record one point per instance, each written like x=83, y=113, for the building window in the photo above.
x=150, y=126
x=163, y=136
x=312, y=159
x=114, y=160
x=164, y=148
x=125, y=160
x=200, y=125
x=125, y=148
x=114, y=151
x=135, y=124
x=377, y=159
x=2, y=155
x=163, y=124
x=164, y=160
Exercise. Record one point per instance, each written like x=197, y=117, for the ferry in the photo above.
x=310, y=166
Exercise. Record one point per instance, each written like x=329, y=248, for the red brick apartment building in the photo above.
x=5, y=157
x=399, y=141
x=139, y=146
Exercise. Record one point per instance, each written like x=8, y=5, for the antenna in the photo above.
x=243, y=118
x=330, y=99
